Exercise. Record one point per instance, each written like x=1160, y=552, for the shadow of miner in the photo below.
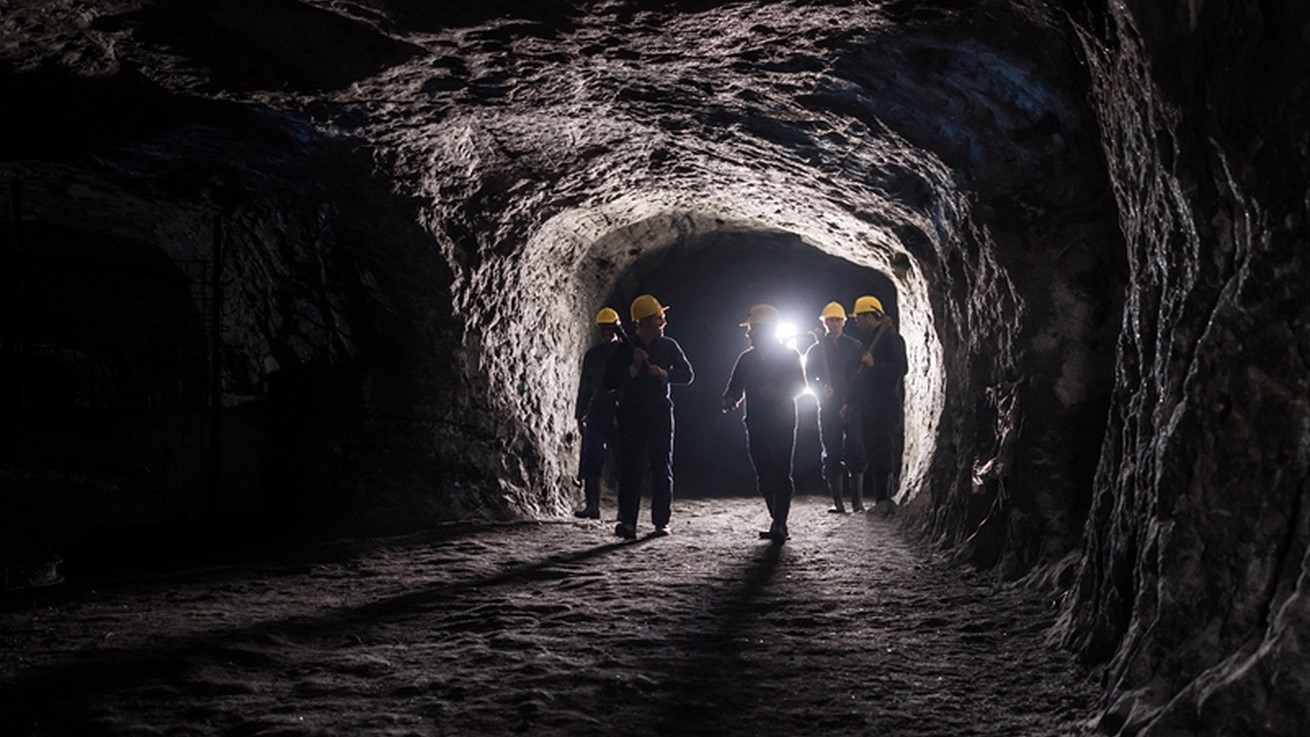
x=713, y=687
x=61, y=698
x=542, y=570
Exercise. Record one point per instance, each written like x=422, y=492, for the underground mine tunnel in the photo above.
x=336, y=263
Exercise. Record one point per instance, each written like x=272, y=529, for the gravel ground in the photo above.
x=550, y=628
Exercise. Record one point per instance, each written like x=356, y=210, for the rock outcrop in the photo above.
x=1194, y=580
x=388, y=223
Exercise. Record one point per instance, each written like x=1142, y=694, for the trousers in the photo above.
x=771, y=451
x=646, y=446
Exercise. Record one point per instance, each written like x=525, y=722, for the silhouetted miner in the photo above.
x=876, y=402
x=769, y=376
x=596, y=410
x=830, y=368
x=644, y=368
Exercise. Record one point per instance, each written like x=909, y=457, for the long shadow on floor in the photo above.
x=711, y=688
x=54, y=700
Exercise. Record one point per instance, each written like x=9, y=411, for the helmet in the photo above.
x=607, y=316
x=761, y=314
x=867, y=304
x=833, y=309
x=645, y=306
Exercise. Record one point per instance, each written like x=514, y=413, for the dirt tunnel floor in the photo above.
x=554, y=628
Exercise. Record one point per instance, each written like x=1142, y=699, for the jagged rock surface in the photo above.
x=407, y=194
x=1195, y=574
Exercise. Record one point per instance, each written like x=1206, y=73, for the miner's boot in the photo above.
x=834, y=486
x=882, y=500
x=857, y=492
x=591, y=490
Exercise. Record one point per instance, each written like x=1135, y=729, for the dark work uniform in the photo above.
x=598, y=406
x=769, y=376
x=834, y=363
x=645, y=416
x=877, y=399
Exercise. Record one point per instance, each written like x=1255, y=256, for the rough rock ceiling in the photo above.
x=407, y=189
x=579, y=136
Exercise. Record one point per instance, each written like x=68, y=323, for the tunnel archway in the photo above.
x=710, y=281
x=108, y=395
x=1088, y=207
x=618, y=257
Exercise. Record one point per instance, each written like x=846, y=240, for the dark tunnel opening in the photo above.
x=709, y=282
x=1088, y=225
x=111, y=415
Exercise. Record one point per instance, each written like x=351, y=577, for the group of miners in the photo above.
x=854, y=369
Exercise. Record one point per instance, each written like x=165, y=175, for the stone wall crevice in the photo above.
x=1206, y=397
x=1092, y=217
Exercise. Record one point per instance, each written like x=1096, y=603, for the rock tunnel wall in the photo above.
x=417, y=234
x=418, y=238
x=287, y=248
x=1194, y=585
x=632, y=150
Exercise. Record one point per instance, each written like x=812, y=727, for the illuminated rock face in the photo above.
x=1194, y=584
x=415, y=212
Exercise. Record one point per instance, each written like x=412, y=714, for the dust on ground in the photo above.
x=551, y=628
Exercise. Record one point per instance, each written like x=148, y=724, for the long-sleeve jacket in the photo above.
x=878, y=387
x=642, y=394
x=769, y=376
x=594, y=400
x=833, y=363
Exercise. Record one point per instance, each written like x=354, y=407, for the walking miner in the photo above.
x=768, y=376
x=830, y=368
x=643, y=369
x=596, y=410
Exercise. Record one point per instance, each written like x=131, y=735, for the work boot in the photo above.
x=882, y=485
x=880, y=482
x=834, y=486
x=591, y=490
x=857, y=492
x=777, y=532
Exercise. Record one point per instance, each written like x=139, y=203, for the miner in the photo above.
x=642, y=370
x=769, y=377
x=877, y=395
x=596, y=410
x=830, y=368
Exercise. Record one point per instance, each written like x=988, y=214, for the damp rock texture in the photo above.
x=384, y=226
x=1194, y=581
x=418, y=231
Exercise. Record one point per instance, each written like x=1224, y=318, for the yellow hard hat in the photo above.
x=607, y=316
x=761, y=314
x=867, y=304
x=833, y=309
x=645, y=306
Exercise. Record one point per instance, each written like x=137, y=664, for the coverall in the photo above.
x=834, y=363
x=878, y=405
x=769, y=376
x=645, y=427
x=597, y=406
